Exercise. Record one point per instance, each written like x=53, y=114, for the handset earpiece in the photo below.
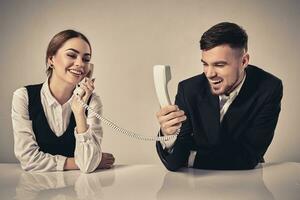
x=91, y=70
x=162, y=75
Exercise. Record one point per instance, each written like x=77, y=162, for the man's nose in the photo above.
x=210, y=72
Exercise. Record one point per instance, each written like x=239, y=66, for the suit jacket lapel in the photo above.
x=208, y=106
x=240, y=105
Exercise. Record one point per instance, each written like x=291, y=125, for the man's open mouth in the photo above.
x=216, y=82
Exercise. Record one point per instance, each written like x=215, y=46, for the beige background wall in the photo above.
x=128, y=37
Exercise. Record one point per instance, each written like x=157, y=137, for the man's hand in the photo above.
x=170, y=119
x=107, y=161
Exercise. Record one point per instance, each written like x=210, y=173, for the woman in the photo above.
x=52, y=131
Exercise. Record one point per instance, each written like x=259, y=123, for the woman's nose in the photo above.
x=79, y=62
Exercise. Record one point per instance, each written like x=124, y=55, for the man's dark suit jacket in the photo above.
x=241, y=139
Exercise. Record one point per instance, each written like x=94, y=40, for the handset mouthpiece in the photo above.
x=78, y=90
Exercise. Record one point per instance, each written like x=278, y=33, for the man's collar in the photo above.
x=236, y=90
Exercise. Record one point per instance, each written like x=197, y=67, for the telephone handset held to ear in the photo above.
x=79, y=91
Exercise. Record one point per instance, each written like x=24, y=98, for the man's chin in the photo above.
x=217, y=91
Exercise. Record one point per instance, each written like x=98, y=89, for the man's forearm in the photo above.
x=234, y=156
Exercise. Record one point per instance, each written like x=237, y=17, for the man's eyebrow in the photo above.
x=219, y=62
x=203, y=61
x=88, y=54
x=216, y=62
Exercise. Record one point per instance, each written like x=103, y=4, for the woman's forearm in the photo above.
x=81, y=125
x=70, y=164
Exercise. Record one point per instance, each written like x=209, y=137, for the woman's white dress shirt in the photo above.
x=87, y=153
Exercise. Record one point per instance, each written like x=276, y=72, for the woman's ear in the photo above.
x=50, y=62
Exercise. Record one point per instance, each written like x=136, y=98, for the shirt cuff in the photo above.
x=82, y=137
x=60, y=163
x=167, y=144
x=192, y=158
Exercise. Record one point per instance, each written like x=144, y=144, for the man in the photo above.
x=228, y=114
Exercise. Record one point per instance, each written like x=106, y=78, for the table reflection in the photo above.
x=148, y=182
x=209, y=184
x=63, y=185
x=283, y=180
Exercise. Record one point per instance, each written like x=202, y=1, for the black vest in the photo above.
x=46, y=139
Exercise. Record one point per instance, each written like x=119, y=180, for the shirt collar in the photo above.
x=50, y=99
x=235, y=92
x=47, y=93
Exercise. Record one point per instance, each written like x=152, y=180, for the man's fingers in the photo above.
x=171, y=130
x=174, y=122
x=167, y=109
x=170, y=116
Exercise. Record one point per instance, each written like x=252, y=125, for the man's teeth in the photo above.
x=216, y=82
x=76, y=72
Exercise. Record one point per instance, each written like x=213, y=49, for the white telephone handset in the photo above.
x=162, y=75
x=79, y=92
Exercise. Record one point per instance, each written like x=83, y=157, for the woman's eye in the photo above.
x=86, y=60
x=71, y=55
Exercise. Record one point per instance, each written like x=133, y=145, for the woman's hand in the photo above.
x=88, y=86
x=107, y=161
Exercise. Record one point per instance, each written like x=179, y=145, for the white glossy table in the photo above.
x=143, y=182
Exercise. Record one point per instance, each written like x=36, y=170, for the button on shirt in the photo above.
x=224, y=101
x=87, y=153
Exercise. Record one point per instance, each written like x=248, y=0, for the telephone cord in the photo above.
x=126, y=132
